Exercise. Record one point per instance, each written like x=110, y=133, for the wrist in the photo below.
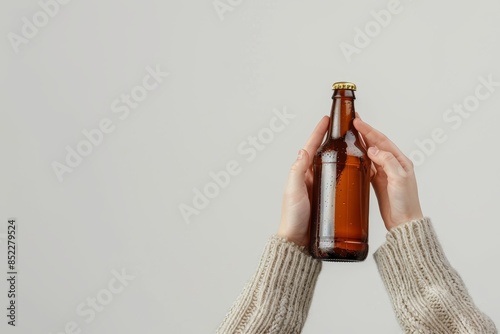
x=403, y=221
x=298, y=240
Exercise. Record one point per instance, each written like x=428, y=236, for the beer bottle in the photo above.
x=341, y=186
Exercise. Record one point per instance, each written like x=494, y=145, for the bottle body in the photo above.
x=341, y=188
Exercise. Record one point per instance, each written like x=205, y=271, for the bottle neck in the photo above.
x=342, y=114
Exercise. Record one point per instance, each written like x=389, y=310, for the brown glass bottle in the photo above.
x=341, y=188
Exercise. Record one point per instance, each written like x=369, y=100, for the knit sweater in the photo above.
x=427, y=294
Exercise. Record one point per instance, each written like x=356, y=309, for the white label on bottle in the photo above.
x=327, y=199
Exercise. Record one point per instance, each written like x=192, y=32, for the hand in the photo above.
x=393, y=178
x=296, y=207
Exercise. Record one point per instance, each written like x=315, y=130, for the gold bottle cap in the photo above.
x=344, y=85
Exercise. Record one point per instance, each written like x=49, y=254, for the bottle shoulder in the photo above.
x=345, y=149
x=350, y=143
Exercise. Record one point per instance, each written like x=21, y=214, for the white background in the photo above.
x=119, y=209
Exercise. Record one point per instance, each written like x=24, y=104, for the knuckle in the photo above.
x=403, y=175
x=382, y=138
x=386, y=156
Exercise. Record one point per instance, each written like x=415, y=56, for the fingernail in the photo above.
x=373, y=150
x=357, y=116
x=300, y=155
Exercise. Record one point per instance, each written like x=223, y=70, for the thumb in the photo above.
x=298, y=171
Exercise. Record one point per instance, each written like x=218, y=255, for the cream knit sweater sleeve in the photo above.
x=277, y=299
x=427, y=294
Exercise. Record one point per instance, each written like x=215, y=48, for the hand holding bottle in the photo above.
x=296, y=207
x=393, y=180
x=393, y=177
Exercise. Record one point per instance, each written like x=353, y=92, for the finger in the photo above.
x=380, y=188
x=379, y=183
x=373, y=137
x=373, y=171
x=317, y=136
x=387, y=161
x=297, y=176
x=363, y=142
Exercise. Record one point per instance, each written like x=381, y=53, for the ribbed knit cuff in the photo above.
x=428, y=295
x=278, y=297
